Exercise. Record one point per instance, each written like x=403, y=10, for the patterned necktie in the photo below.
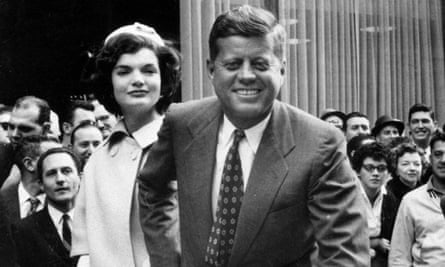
x=34, y=203
x=230, y=197
x=66, y=232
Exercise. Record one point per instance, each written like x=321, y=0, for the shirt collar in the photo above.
x=432, y=189
x=381, y=193
x=253, y=134
x=56, y=215
x=144, y=136
x=24, y=195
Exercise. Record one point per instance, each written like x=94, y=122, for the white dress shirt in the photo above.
x=56, y=216
x=247, y=149
x=25, y=205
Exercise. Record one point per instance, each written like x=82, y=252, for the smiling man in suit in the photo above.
x=260, y=183
x=44, y=238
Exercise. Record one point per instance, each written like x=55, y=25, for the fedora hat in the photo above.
x=386, y=120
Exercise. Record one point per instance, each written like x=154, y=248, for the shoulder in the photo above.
x=31, y=221
x=9, y=193
x=192, y=107
x=415, y=196
x=305, y=123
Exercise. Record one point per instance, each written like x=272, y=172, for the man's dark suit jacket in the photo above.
x=10, y=196
x=301, y=192
x=7, y=248
x=6, y=161
x=39, y=244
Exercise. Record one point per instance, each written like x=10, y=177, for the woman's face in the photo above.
x=136, y=80
x=409, y=168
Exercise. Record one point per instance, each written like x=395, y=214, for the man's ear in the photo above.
x=67, y=128
x=46, y=128
x=29, y=163
x=283, y=67
x=210, y=68
x=283, y=71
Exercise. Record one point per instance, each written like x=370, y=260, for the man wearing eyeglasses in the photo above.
x=371, y=162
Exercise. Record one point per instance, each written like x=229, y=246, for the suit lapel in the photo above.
x=49, y=232
x=199, y=167
x=268, y=172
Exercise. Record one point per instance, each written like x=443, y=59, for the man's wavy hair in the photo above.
x=247, y=21
x=125, y=43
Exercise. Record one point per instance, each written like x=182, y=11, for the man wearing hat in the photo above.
x=386, y=128
x=334, y=117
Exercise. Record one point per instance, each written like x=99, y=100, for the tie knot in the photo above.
x=65, y=217
x=239, y=135
x=34, y=201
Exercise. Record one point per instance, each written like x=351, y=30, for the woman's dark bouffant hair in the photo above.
x=127, y=43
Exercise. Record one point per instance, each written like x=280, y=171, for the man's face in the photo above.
x=60, y=180
x=23, y=123
x=437, y=159
x=247, y=77
x=85, y=141
x=373, y=173
x=105, y=121
x=421, y=126
x=82, y=115
x=336, y=121
x=4, y=122
x=387, y=133
x=356, y=126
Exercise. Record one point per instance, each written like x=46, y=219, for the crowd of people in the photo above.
x=238, y=179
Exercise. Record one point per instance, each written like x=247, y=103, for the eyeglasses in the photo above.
x=371, y=168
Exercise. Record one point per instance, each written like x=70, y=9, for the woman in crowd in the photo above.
x=138, y=74
x=371, y=162
x=406, y=171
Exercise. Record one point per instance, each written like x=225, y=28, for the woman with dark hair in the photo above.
x=371, y=162
x=138, y=74
x=406, y=170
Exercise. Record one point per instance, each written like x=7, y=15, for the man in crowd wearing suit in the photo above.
x=78, y=111
x=26, y=197
x=259, y=183
x=44, y=238
x=85, y=138
x=30, y=116
x=422, y=125
x=356, y=123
